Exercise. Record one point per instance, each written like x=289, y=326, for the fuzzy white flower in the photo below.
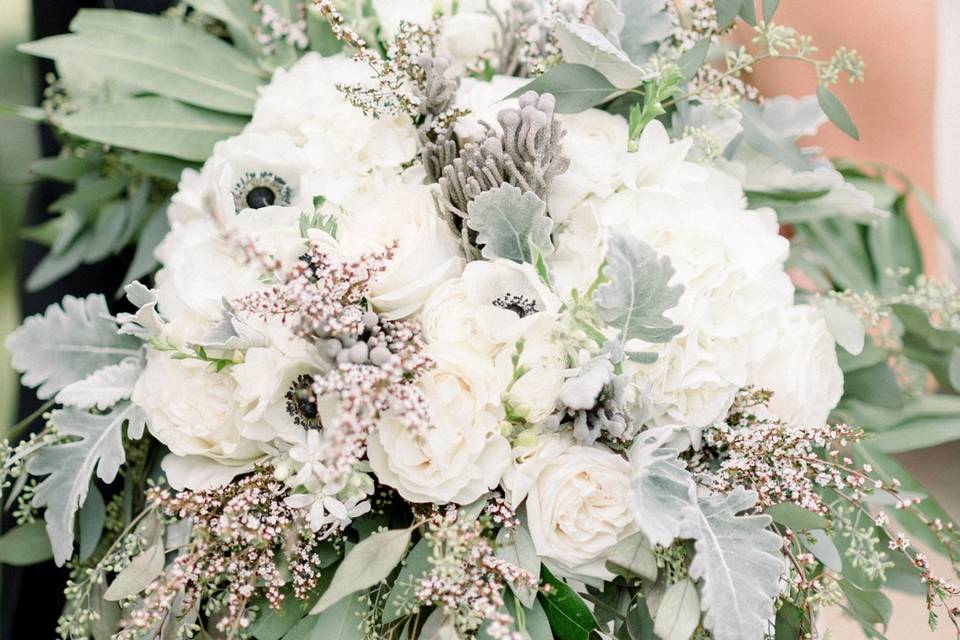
x=428, y=252
x=576, y=497
x=463, y=455
x=342, y=143
x=800, y=367
x=196, y=414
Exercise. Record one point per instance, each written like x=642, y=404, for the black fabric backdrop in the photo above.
x=33, y=596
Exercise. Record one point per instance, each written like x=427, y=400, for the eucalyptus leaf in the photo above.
x=137, y=575
x=144, y=261
x=516, y=547
x=64, y=168
x=68, y=343
x=415, y=566
x=727, y=11
x=342, y=621
x=693, y=58
x=678, y=615
x=510, y=224
x=870, y=607
x=633, y=557
x=796, y=517
x=365, y=565
x=638, y=291
x=769, y=9
x=837, y=113
x=98, y=450
x=576, y=87
x=25, y=545
x=93, y=515
x=157, y=66
x=822, y=546
x=154, y=124
x=845, y=326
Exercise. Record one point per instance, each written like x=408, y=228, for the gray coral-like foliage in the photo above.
x=68, y=343
x=97, y=449
x=527, y=154
x=737, y=560
x=637, y=291
x=510, y=224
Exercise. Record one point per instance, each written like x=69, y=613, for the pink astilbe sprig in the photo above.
x=467, y=579
x=242, y=535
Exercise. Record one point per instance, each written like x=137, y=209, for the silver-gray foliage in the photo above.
x=510, y=224
x=737, y=560
x=68, y=343
x=104, y=387
x=69, y=466
x=637, y=292
x=646, y=24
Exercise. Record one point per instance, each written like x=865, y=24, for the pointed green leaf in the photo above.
x=576, y=87
x=837, y=113
x=137, y=575
x=25, y=545
x=678, y=615
x=569, y=616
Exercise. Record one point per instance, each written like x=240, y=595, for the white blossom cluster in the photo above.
x=311, y=170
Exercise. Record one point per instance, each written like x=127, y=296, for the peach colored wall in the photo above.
x=894, y=107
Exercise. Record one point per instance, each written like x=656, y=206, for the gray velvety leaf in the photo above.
x=509, y=223
x=103, y=388
x=637, y=292
x=739, y=564
x=70, y=466
x=66, y=344
x=646, y=24
x=661, y=493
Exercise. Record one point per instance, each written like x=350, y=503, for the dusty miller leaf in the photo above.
x=661, y=493
x=99, y=449
x=646, y=24
x=584, y=44
x=637, y=292
x=739, y=564
x=510, y=223
x=67, y=344
x=103, y=388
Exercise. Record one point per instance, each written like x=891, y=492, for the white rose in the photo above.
x=196, y=414
x=463, y=455
x=200, y=269
x=427, y=254
x=577, y=507
x=801, y=368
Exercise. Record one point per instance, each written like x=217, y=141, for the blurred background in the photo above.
x=910, y=49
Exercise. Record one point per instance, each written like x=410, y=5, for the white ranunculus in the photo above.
x=467, y=36
x=534, y=394
x=463, y=455
x=195, y=413
x=580, y=250
x=200, y=269
x=801, y=368
x=238, y=166
x=576, y=498
x=428, y=252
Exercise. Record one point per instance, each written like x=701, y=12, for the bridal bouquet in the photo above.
x=474, y=322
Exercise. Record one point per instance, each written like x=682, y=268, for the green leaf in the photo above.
x=342, y=621
x=365, y=565
x=639, y=623
x=837, y=113
x=415, y=566
x=569, y=617
x=516, y=547
x=536, y=624
x=727, y=11
x=55, y=265
x=67, y=343
x=25, y=545
x=64, y=168
x=155, y=66
x=769, y=8
x=845, y=326
x=796, y=517
x=170, y=33
x=155, y=166
x=321, y=37
x=633, y=558
x=822, y=547
x=637, y=292
x=874, y=385
x=90, y=194
x=748, y=13
x=678, y=615
x=137, y=575
x=98, y=449
x=510, y=224
x=93, y=516
x=693, y=58
x=156, y=125
x=240, y=18
x=583, y=44
x=789, y=623
x=576, y=87
x=870, y=607
x=144, y=261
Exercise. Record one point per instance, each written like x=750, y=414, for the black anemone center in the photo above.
x=302, y=403
x=260, y=197
x=520, y=305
